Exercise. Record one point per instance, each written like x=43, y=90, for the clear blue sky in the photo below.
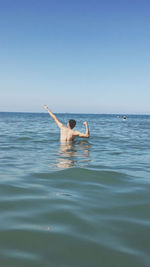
x=90, y=56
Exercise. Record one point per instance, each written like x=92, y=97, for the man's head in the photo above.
x=72, y=124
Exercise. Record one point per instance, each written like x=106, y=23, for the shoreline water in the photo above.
x=81, y=205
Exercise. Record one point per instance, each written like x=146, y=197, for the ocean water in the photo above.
x=86, y=204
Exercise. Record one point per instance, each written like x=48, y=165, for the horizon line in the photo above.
x=76, y=113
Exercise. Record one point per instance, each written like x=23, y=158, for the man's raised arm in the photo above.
x=54, y=117
x=87, y=134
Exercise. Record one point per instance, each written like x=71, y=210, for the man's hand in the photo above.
x=85, y=123
x=46, y=107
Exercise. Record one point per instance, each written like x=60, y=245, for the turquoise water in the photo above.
x=83, y=204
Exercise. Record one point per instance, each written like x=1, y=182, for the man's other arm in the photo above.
x=86, y=134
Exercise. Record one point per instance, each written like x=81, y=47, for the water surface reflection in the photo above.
x=72, y=154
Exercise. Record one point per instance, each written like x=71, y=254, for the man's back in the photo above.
x=66, y=133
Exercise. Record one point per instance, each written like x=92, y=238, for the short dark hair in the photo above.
x=72, y=124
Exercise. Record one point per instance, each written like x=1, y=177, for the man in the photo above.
x=66, y=133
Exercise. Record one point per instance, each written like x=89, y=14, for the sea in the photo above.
x=83, y=204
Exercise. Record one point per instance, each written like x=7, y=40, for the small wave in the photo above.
x=25, y=138
x=81, y=174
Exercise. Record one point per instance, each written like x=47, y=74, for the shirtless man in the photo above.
x=66, y=133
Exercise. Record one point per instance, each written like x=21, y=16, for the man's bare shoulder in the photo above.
x=63, y=126
x=75, y=133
